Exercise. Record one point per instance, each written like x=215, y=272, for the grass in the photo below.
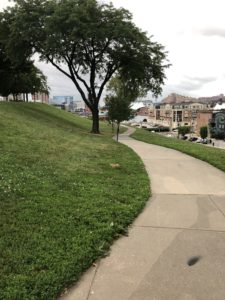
x=213, y=156
x=61, y=201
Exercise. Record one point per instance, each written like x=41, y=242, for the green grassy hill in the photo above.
x=61, y=201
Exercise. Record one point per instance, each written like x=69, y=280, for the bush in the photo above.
x=204, y=132
x=184, y=130
x=158, y=129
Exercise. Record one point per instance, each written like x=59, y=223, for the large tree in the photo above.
x=88, y=42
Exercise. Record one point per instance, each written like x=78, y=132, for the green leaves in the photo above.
x=119, y=100
x=94, y=40
x=18, y=73
x=184, y=130
x=21, y=77
x=204, y=132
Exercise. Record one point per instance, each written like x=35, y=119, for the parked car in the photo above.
x=199, y=140
x=204, y=141
x=184, y=137
x=193, y=139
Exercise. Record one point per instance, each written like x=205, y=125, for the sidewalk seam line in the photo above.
x=178, y=228
x=214, y=203
x=92, y=281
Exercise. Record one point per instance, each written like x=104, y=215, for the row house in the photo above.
x=177, y=114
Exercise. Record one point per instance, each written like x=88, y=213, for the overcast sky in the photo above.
x=193, y=33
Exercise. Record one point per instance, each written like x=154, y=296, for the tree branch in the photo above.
x=109, y=74
x=92, y=78
x=71, y=68
x=103, y=50
x=80, y=79
x=59, y=68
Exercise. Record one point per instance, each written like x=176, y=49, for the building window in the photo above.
x=174, y=116
x=179, y=116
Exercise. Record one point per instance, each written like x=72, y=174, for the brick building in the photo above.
x=41, y=97
x=203, y=119
x=176, y=114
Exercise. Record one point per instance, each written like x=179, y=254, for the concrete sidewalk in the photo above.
x=176, y=247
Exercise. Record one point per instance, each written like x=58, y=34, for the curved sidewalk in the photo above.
x=176, y=247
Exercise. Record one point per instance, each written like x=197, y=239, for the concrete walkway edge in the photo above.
x=175, y=248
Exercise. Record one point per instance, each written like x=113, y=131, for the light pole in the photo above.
x=178, y=126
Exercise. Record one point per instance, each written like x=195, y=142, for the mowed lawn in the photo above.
x=213, y=156
x=61, y=201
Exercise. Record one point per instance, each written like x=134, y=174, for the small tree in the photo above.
x=204, y=132
x=184, y=130
x=119, y=98
x=119, y=110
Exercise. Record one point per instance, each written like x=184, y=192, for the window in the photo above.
x=179, y=116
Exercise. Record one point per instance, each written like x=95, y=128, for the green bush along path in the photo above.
x=65, y=194
x=213, y=156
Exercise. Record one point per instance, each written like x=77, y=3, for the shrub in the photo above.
x=204, y=132
x=184, y=130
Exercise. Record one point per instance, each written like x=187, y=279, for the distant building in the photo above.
x=177, y=114
x=143, y=111
x=61, y=102
x=79, y=106
x=41, y=97
x=203, y=119
x=68, y=103
x=217, y=123
x=137, y=105
x=61, y=99
x=219, y=106
x=103, y=113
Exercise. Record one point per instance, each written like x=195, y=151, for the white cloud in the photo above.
x=212, y=31
x=193, y=34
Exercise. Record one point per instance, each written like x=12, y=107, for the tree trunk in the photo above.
x=117, y=132
x=112, y=126
x=95, y=121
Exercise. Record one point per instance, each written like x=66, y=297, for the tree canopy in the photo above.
x=17, y=70
x=118, y=101
x=20, y=78
x=89, y=42
x=204, y=132
x=184, y=130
